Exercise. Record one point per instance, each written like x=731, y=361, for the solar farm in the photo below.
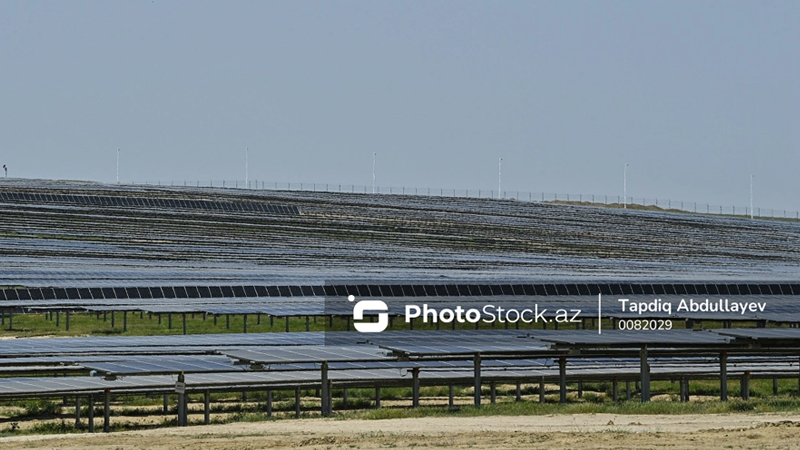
x=193, y=297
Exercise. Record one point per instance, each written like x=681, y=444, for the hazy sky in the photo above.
x=695, y=96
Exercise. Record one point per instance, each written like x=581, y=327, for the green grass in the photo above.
x=627, y=407
x=137, y=324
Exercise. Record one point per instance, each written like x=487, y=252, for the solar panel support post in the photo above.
x=67, y=321
x=181, y=409
x=325, y=389
x=580, y=389
x=166, y=404
x=415, y=389
x=113, y=318
x=723, y=376
x=207, y=407
x=91, y=413
x=542, y=392
x=344, y=398
x=287, y=324
x=58, y=319
x=450, y=401
x=77, y=412
x=644, y=371
x=124, y=321
x=562, y=379
x=227, y=321
x=745, y=386
x=519, y=392
x=308, y=324
x=774, y=386
x=297, y=402
x=377, y=396
x=615, y=390
x=683, y=389
x=269, y=402
x=107, y=411
x=244, y=323
x=492, y=392
x=477, y=378
x=628, y=390
x=183, y=319
x=10, y=321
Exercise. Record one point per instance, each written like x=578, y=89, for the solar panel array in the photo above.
x=398, y=290
x=145, y=202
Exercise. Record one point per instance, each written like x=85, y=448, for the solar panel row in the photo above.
x=430, y=290
x=97, y=200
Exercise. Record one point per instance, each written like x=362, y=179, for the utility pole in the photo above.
x=117, y=165
x=625, y=187
x=499, y=177
x=6, y=169
x=374, y=156
x=751, y=196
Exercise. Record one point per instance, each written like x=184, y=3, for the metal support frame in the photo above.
x=562, y=379
x=477, y=380
x=723, y=376
x=645, y=374
x=745, y=386
x=77, y=412
x=207, y=407
x=107, y=411
x=415, y=379
x=325, y=389
x=91, y=413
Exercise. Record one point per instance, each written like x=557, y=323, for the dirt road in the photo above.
x=601, y=431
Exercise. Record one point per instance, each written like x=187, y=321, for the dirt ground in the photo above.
x=590, y=431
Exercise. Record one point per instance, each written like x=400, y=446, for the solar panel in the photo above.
x=310, y=354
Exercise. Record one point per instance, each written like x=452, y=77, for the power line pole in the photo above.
x=751, y=196
x=499, y=177
x=625, y=187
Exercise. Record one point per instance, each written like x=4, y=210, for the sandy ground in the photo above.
x=592, y=431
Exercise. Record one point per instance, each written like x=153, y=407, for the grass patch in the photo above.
x=627, y=407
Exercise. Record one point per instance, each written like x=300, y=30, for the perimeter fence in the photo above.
x=614, y=201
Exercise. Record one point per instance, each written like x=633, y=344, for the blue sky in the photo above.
x=695, y=96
